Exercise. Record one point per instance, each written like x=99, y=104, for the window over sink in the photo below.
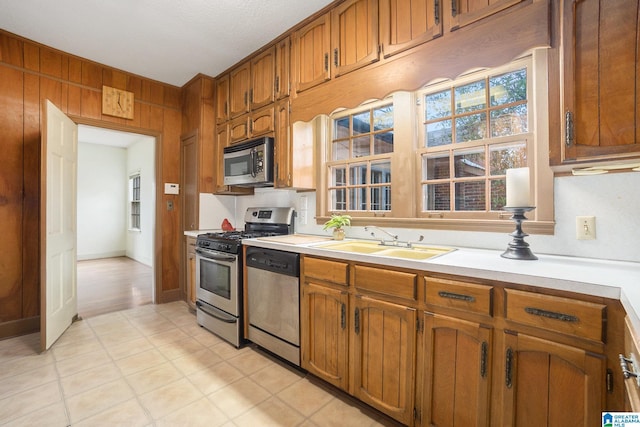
x=437, y=157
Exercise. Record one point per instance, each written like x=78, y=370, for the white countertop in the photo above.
x=194, y=233
x=609, y=279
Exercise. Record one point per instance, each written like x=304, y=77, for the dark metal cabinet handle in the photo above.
x=508, y=371
x=451, y=295
x=454, y=7
x=335, y=57
x=357, y=321
x=343, y=316
x=436, y=11
x=568, y=128
x=484, y=350
x=551, y=314
x=326, y=62
x=277, y=85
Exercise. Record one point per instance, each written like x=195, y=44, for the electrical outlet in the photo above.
x=585, y=227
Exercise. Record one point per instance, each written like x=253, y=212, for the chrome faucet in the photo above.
x=382, y=241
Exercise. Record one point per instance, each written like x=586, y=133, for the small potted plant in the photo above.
x=338, y=222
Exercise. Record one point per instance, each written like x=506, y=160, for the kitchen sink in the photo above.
x=417, y=252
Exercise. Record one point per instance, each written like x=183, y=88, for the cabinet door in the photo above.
x=465, y=12
x=602, y=78
x=282, y=156
x=239, y=129
x=311, y=46
x=283, y=73
x=408, y=23
x=261, y=122
x=354, y=35
x=455, y=361
x=384, y=356
x=324, y=336
x=262, y=79
x=239, y=80
x=222, y=99
x=550, y=384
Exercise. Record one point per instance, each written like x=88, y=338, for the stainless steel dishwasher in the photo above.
x=273, y=300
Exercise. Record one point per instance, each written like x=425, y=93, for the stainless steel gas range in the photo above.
x=219, y=268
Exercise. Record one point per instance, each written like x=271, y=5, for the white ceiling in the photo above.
x=114, y=138
x=166, y=40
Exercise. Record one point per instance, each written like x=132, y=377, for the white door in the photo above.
x=58, y=290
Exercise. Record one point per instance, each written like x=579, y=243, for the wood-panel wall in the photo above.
x=29, y=74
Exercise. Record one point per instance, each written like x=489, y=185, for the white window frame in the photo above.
x=135, y=211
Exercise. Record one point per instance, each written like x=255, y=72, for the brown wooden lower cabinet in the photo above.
x=324, y=341
x=455, y=359
x=384, y=356
x=550, y=384
x=431, y=363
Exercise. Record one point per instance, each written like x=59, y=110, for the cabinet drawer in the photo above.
x=386, y=282
x=459, y=295
x=330, y=271
x=580, y=318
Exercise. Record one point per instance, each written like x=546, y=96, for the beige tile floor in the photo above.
x=154, y=366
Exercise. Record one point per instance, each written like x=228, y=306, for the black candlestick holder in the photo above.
x=518, y=248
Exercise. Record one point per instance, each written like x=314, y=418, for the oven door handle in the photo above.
x=213, y=314
x=218, y=256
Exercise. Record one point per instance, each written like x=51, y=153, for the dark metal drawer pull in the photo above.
x=551, y=314
x=484, y=350
x=508, y=368
x=461, y=297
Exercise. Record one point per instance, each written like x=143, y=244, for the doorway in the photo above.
x=116, y=220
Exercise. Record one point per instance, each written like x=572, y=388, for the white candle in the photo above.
x=518, y=187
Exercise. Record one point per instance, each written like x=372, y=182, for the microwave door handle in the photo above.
x=252, y=160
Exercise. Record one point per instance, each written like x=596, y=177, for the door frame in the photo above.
x=157, y=222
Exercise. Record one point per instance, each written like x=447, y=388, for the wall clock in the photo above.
x=117, y=102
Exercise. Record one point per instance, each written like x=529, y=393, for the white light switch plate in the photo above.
x=170, y=188
x=585, y=227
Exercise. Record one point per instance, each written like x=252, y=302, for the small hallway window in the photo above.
x=134, y=200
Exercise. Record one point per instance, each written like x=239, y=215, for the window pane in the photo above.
x=338, y=199
x=498, y=194
x=340, y=150
x=509, y=121
x=358, y=174
x=380, y=172
x=470, y=196
x=471, y=128
x=507, y=157
x=469, y=164
x=362, y=146
x=361, y=123
x=358, y=198
x=341, y=127
x=436, y=197
x=338, y=176
x=471, y=97
x=383, y=143
x=438, y=133
x=508, y=88
x=435, y=167
x=383, y=118
x=438, y=105
x=381, y=198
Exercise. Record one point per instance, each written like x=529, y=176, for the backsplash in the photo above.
x=614, y=199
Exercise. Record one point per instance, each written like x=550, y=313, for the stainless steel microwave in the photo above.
x=250, y=163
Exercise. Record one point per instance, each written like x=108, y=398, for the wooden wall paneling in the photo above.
x=75, y=70
x=11, y=50
x=91, y=104
x=11, y=173
x=31, y=57
x=31, y=201
x=51, y=63
x=91, y=75
x=171, y=98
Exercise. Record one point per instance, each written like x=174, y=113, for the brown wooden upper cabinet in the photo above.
x=601, y=79
x=239, y=84
x=408, y=23
x=354, y=35
x=222, y=99
x=310, y=60
x=461, y=13
x=261, y=92
x=283, y=69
